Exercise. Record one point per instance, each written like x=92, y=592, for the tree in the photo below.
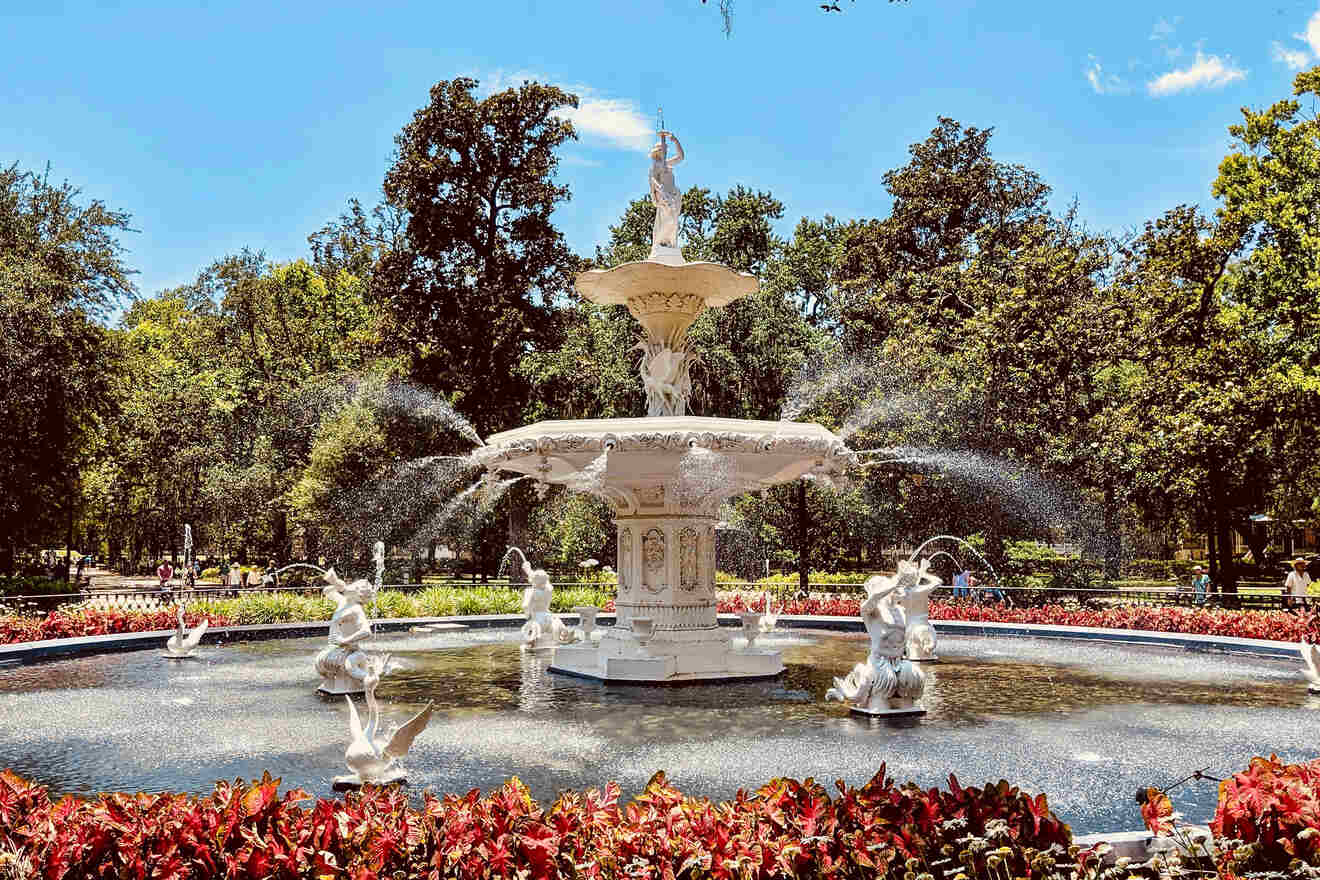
x=61, y=270
x=468, y=288
x=973, y=319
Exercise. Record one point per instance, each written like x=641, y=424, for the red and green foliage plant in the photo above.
x=784, y=829
x=1284, y=626
x=1274, y=810
x=62, y=624
x=1157, y=812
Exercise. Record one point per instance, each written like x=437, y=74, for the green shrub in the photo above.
x=392, y=603
x=564, y=600
x=256, y=608
x=36, y=586
x=437, y=601
x=1159, y=569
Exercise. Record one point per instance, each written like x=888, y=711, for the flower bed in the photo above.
x=784, y=829
x=91, y=622
x=1283, y=626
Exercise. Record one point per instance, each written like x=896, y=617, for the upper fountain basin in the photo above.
x=667, y=462
x=666, y=298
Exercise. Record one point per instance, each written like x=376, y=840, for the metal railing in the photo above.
x=152, y=598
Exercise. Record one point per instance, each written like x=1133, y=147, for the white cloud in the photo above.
x=1294, y=59
x=1104, y=83
x=1312, y=33
x=617, y=121
x=1207, y=71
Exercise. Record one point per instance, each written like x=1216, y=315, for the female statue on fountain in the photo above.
x=665, y=196
x=343, y=664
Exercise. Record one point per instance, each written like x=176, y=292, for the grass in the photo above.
x=434, y=601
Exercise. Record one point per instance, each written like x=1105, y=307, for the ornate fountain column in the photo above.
x=666, y=474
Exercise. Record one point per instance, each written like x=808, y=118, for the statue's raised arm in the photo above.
x=678, y=148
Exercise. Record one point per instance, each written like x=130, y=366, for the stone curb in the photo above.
x=50, y=649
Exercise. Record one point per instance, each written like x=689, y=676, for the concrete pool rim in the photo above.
x=22, y=653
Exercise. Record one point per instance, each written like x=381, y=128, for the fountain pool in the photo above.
x=1088, y=723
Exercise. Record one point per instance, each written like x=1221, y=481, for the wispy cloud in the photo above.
x=1103, y=83
x=1293, y=59
x=617, y=121
x=1164, y=28
x=581, y=161
x=1206, y=72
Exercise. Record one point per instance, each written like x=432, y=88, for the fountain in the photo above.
x=372, y=753
x=543, y=630
x=343, y=664
x=183, y=643
x=667, y=473
x=886, y=683
x=1311, y=657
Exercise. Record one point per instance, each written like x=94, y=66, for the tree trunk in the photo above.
x=803, y=552
x=1256, y=539
x=68, y=535
x=1223, y=530
x=1113, y=540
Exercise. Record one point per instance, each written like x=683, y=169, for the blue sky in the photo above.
x=224, y=125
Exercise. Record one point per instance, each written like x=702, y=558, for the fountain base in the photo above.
x=668, y=658
x=340, y=685
x=351, y=781
x=893, y=712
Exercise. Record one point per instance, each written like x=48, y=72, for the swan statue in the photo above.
x=1311, y=657
x=372, y=753
x=183, y=643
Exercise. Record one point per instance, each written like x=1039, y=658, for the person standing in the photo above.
x=960, y=583
x=1200, y=583
x=164, y=573
x=1298, y=582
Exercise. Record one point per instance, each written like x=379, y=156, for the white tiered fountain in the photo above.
x=666, y=474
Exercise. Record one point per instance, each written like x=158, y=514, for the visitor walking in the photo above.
x=1298, y=583
x=960, y=583
x=1200, y=584
x=235, y=579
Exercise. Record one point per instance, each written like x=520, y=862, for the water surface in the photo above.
x=1086, y=722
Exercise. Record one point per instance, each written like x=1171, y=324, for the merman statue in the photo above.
x=542, y=629
x=343, y=664
x=886, y=684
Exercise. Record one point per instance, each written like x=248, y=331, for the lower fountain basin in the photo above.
x=1088, y=723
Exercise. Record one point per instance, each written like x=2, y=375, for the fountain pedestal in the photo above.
x=666, y=572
